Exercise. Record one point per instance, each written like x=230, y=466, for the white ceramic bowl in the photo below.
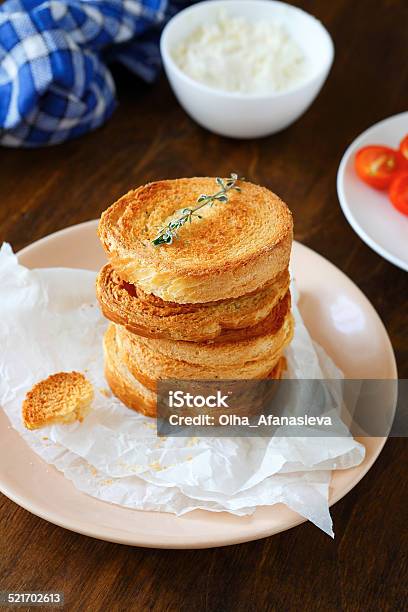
x=248, y=115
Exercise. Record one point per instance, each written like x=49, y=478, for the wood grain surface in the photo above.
x=150, y=137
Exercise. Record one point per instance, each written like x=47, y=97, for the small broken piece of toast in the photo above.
x=61, y=398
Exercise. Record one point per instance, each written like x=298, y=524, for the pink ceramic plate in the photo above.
x=338, y=316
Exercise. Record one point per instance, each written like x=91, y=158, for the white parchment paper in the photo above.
x=50, y=322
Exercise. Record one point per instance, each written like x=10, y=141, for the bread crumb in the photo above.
x=62, y=398
x=105, y=392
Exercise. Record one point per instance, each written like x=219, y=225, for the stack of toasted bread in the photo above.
x=212, y=303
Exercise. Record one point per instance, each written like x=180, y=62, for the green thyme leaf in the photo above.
x=167, y=234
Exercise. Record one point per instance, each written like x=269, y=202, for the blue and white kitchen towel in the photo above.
x=54, y=80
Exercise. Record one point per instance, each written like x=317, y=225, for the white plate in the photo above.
x=339, y=317
x=369, y=211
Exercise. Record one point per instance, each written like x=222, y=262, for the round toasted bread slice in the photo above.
x=130, y=390
x=148, y=315
x=235, y=248
x=61, y=398
x=248, y=359
x=267, y=338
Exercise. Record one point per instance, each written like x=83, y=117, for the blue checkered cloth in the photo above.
x=54, y=79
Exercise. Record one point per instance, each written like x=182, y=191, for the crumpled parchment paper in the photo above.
x=50, y=322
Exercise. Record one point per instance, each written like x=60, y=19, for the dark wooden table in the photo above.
x=150, y=137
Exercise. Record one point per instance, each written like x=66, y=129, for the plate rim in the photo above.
x=188, y=543
x=266, y=531
x=358, y=229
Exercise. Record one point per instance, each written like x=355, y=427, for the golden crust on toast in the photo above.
x=148, y=315
x=234, y=249
x=149, y=362
x=131, y=391
x=257, y=342
x=61, y=398
x=121, y=382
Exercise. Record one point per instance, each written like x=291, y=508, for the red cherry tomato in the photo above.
x=377, y=165
x=399, y=192
x=403, y=149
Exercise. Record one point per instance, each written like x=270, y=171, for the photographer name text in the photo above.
x=270, y=420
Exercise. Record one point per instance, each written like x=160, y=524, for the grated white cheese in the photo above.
x=238, y=55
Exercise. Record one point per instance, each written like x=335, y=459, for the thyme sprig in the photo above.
x=168, y=233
